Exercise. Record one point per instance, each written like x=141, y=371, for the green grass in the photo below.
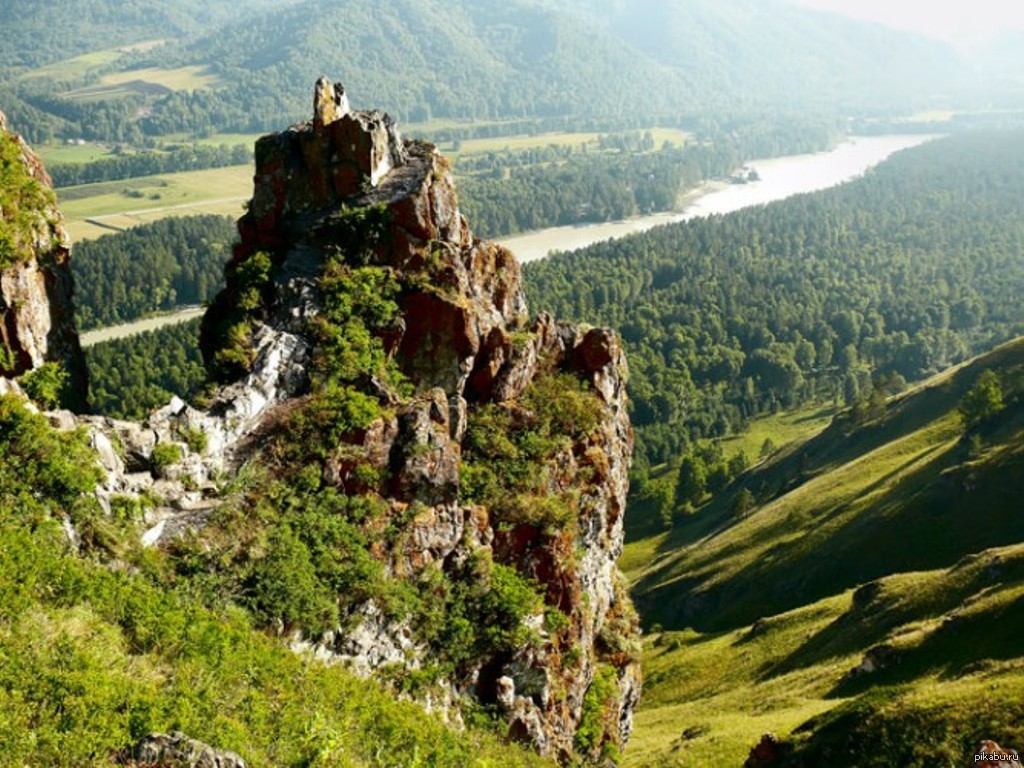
x=191, y=78
x=55, y=154
x=838, y=510
x=77, y=66
x=953, y=630
x=92, y=210
x=766, y=615
x=644, y=534
x=540, y=140
x=99, y=648
x=781, y=428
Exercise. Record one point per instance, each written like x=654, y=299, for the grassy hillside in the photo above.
x=891, y=530
x=98, y=647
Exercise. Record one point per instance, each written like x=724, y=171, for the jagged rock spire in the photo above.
x=329, y=102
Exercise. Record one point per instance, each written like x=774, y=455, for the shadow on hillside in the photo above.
x=938, y=512
x=961, y=645
x=877, y=608
x=930, y=518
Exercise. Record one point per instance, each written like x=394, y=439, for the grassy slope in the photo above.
x=898, y=500
x=97, y=649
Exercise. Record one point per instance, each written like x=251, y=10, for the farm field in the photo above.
x=92, y=210
x=182, y=79
x=540, y=140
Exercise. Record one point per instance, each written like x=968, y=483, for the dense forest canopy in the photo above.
x=39, y=32
x=159, y=266
x=506, y=192
x=912, y=268
x=131, y=377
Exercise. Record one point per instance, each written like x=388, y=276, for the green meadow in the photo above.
x=895, y=537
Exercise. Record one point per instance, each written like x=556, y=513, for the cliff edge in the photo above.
x=399, y=470
x=37, y=323
x=377, y=328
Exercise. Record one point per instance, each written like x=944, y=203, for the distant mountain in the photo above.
x=467, y=58
x=38, y=32
x=602, y=64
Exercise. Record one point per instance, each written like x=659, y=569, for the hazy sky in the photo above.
x=959, y=21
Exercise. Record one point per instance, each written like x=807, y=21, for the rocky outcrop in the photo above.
x=180, y=751
x=37, y=323
x=347, y=183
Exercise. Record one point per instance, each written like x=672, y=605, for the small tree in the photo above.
x=983, y=401
x=742, y=503
x=692, y=482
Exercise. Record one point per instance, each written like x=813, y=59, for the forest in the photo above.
x=149, y=268
x=130, y=377
x=908, y=270
x=450, y=62
x=515, y=191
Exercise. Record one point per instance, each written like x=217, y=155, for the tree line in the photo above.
x=128, y=165
x=130, y=377
x=153, y=267
x=910, y=269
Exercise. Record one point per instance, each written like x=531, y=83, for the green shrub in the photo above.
x=195, y=439
x=45, y=385
x=164, y=455
x=507, y=451
x=591, y=730
x=22, y=200
x=286, y=590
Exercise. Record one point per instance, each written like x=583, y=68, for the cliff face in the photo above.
x=450, y=446
x=439, y=481
x=37, y=322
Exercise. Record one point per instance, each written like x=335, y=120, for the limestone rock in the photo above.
x=464, y=342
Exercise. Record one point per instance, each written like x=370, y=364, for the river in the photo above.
x=780, y=177
x=111, y=332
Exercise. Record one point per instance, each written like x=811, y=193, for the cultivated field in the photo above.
x=92, y=210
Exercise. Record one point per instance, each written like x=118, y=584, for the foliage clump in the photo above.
x=23, y=200
x=46, y=385
x=508, y=451
x=983, y=401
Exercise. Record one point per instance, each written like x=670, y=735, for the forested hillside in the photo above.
x=594, y=63
x=38, y=32
x=159, y=266
x=131, y=377
x=913, y=268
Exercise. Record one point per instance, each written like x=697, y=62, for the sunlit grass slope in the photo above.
x=901, y=492
x=99, y=646
x=898, y=534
